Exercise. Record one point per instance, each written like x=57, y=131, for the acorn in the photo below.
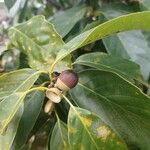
x=54, y=94
x=49, y=107
x=67, y=80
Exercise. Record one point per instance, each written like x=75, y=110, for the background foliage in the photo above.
x=107, y=43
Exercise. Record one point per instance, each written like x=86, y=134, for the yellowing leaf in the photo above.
x=38, y=39
x=91, y=132
x=118, y=102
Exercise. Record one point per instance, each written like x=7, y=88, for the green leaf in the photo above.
x=131, y=45
x=8, y=108
x=139, y=52
x=14, y=87
x=115, y=47
x=32, y=107
x=144, y=5
x=102, y=61
x=140, y=20
x=17, y=81
x=119, y=103
x=59, y=138
x=14, y=6
x=7, y=139
x=38, y=39
x=65, y=21
x=9, y=3
x=87, y=131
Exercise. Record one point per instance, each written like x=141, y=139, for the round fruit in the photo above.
x=68, y=79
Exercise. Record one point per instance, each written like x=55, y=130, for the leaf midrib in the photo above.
x=85, y=127
x=115, y=70
x=61, y=132
x=18, y=100
x=105, y=98
x=22, y=84
x=69, y=50
x=6, y=122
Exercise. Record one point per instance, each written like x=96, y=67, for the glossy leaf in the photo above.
x=131, y=45
x=65, y=21
x=115, y=47
x=87, y=131
x=120, y=24
x=32, y=107
x=119, y=103
x=38, y=39
x=59, y=138
x=8, y=137
x=14, y=92
x=102, y=61
x=17, y=81
x=139, y=52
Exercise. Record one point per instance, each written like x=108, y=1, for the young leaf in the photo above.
x=120, y=24
x=119, y=103
x=87, y=131
x=8, y=137
x=13, y=91
x=65, y=21
x=102, y=61
x=32, y=107
x=59, y=138
x=38, y=39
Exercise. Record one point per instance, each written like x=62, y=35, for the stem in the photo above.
x=37, y=88
x=68, y=101
x=56, y=114
x=45, y=72
x=52, y=70
x=50, y=76
x=43, y=84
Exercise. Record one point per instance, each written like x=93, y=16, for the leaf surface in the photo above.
x=119, y=103
x=59, y=138
x=65, y=21
x=16, y=81
x=119, y=24
x=9, y=3
x=103, y=61
x=32, y=107
x=87, y=131
x=13, y=92
x=9, y=135
x=38, y=39
x=131, y=45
